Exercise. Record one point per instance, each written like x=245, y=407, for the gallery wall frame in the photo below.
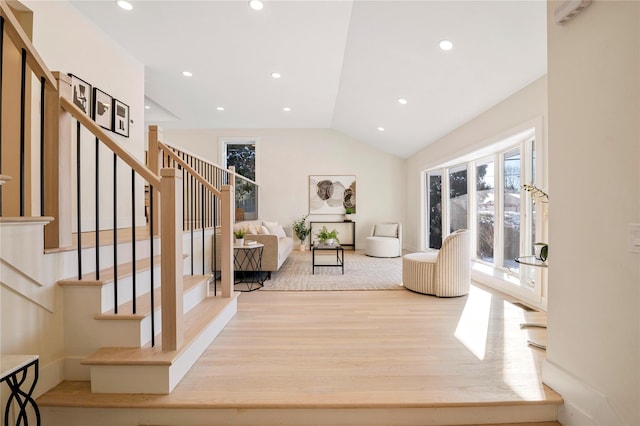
x=103, y=109
x=332, y=194
x=120, y=118
x=81, y=94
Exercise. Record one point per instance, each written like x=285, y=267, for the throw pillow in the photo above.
x=263, y=230
x=277, y=230
x=386, y=230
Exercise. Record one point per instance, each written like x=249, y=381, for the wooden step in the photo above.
x=152, y=370
x=108, y=274
x=25, y=219
x=143, y=302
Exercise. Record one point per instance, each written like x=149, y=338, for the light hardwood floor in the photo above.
x=357, y=349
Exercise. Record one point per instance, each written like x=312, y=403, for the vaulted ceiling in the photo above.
x=342, y=64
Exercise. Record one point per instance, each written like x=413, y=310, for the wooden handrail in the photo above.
x=188, y=168
x=97, y=131
x=213, y=164
x=21, y=40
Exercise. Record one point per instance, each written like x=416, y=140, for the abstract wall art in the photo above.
x=332, y=194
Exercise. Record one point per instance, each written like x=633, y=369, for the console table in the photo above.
x=13, y=371
x=346, y=230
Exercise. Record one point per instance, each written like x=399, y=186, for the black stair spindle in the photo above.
x=115, y=233
x=42, y=101
x=97, y=209
x=203, y=227
x=78, y=200
x=133, y=237
x=1, y=72
x=23, y=91
x=151, y=252
x=192, y=196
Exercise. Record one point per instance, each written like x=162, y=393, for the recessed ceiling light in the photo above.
x=402, y=101
x=381, y=129
x=286, y=109
x=187, y=73
x=256, y=5
x=275, y=75
x=446, y=45
x=147, y=107
x=220, y=108
x=124, y=5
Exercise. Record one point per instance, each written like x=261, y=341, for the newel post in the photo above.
x=57, y=166
x=154, y=163
x=171, y=257
x=226, y=239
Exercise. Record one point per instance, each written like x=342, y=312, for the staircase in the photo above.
x=137, y=307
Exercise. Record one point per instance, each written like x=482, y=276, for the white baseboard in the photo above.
x=583, y=405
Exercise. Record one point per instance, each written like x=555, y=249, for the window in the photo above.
x=484, y=193
x=485, y=210
x=458, y=203
x=511, y=208
x=241, y=154
x=434, y=208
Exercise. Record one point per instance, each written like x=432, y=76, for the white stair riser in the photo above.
x=125, y=288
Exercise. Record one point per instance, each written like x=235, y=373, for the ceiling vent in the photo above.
x=567, y=10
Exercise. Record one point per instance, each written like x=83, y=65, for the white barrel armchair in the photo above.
x=385, y=240
x=445, y=273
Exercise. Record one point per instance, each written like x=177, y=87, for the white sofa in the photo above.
x=277, y=240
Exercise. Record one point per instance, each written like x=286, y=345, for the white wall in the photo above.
x=69, y=43
x=286, y=158
x=490, y=127
x=594, y=175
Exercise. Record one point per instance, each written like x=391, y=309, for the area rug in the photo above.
x=360, y=273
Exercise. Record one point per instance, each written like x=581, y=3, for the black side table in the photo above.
x=339, y=262
x=13, y=371
x=247, y=265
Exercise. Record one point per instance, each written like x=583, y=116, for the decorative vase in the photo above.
x=302, y=247
x=329, y=241
x=239, y=241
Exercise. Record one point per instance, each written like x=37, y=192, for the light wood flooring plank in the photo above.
x=357, y=349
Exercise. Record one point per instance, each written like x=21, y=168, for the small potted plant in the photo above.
x=301, y=230
x=349, y=212
x=239, y=235
x=328, y=237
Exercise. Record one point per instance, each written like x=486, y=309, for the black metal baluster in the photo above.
x=1, y=71
x=42, y=100
x=133, y=239
x=115, y=233
x=203, y=227
x=23, y=91
x=151, y=252
x=192, y=196
x=78, y=201
x=97, y=210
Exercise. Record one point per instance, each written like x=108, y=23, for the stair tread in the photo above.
x=26, y=219
x=143, y=302
x=108, y=274
x=194, y=322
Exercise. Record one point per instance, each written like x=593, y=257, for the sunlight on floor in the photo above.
x=473, y=325
x=519, y=365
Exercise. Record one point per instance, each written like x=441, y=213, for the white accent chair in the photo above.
x=445, y=273
x=385, y=240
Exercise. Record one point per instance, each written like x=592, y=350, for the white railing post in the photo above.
x=171, y=260
x=226, y=239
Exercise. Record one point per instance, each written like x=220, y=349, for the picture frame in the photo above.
x=81, y=94
x=120, y=118
x=102, y=109
x=332, y=194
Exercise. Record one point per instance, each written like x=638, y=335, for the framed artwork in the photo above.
x=81, y=94
x=332, y=194
x=102, y=109
x=120, y=118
